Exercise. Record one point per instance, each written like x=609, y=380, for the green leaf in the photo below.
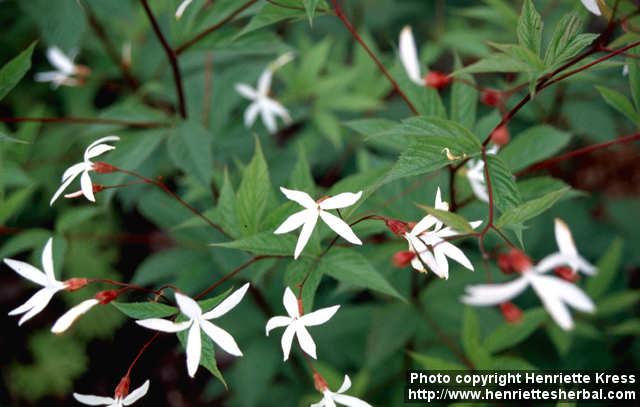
x=634, y=76
x=208, y=355
x=13, y=71
x=300, y=177
x=471, y=342
x=433, y=363
x=144, y=310
x=272, y=13
x=619, y=102
x=607, y=266
x=8, y=139
x=464, y=99
x=455, y=221
x=508, y=335
x=265, y=243
x=495, y=63
x=226, y=208
x=13, y=203
x=310, y=7
x=616, y=303
x=190, y=150
x=530, y=27
x=304, y=269
x=350, y=267
x=533, y=145
x=505, y=191
x=530, y=209
x=253, y=193
x=628, y=327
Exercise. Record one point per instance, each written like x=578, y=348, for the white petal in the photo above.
x=277, y=109
x=493, y=294
x=60, y=61
x=188, y=306
x=442, y=270
x=98, y=150
x=221, y=337
x=106, y=139
x=91, y=400
x=306, y=341
x=294, y=221
x=346, y=384
x=250, y=114
x=409, y=55
x=276, y=322
x=65, y=321
x=566, y=291
x=320, y=316
x=440, y=204
x=75, y=170
x=550, y=262
x=268, y=119
x=342, y=200
x=62, y=187
x=34, y=305
x=29, y=304
x=305, y=235
x=137, y=394
x=290, y=303
x=424, y=224
x=264, y=82
x=564, y=239
x=340, y=227
x=47, y=260
x=194, y=349
x=50, y=76
x=228, y=304
x=246, y=91
x=592, y=6
x=300, y=197
x=478, y=187
x=27, y=271
x=456, y=254
x=287, y=340
x=182, y=7
x=350, y=401
x=546, y=291
x=164, y=325
x=87, y=186
x=583, y=265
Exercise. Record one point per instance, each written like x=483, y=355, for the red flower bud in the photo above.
x=107, y=296
x=319, y=382
x=504, y=263
x=500, y=136
x=511, y=312
x=403, y=259
x=436, y=80
x=398, y=227
x=491, y=97
x=515, y=261
x=103, y=168
x=567, y=273
x=300, y=306
x=122, y=390
x=74, y=284
x=97, y=188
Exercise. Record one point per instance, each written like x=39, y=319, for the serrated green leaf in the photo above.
x=533, y=145
x=508, y=335
x=13, y=71
x=619, y=102
x=530, y=27
x=272, y=13
x=253, y=193
x=226, y=208
x=189, y=147
x=530, y=209
x=464, y=99
x=144, y=310
x=505, y=191
x=265, y=243
x=608, y=267
x=304, y=269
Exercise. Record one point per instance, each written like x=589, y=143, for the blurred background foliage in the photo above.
x=139, y=234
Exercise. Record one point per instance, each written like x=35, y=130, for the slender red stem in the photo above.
x=231, y=274
x=142, y=350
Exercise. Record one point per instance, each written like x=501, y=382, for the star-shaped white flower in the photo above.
x=556, y=294
x=330, y=399
x=428, y=241
x=308, y=217
x=46, y=279
x=592, y=6
x=182, y=7
x=568, y=254
x=268, y=108
x=117, y=401
x=296, y=324
x=95, y=149
x=475, y=175
x=200, y=321
x=65, y=71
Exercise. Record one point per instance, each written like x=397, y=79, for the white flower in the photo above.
x=568, y=254
x=68, y=318
x=268, y=108
x=296, y=324
x=182, y=7
x=46, y=279
x=556, y=295
x=65, y=69
x=308, y=217
x=117, y=401
x=409, y=56
x=430, y=246
x=197, y=321
x=592, y=6
x=330, y=398
x=95, y=149
x=475, y=175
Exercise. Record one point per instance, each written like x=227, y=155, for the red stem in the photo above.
x=230, y=275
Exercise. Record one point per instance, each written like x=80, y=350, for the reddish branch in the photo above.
x=171, y=56
x=84, y=120
x=231, y=274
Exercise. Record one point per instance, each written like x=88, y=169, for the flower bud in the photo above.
x=491, y=97
x=403, y=259
x=567, y=273
x=398, y=227
x=515, y=261
x=300, y=306
x=319, y=382
x=105, y=297
x=436, y=80
x=103, y=168
x=74, y=284
x=511, y=312
x=122, y=390
x=500, y=136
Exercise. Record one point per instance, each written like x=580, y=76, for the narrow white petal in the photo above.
x=276, y=322
x=409, y=55
x=442, y=270
x=106, y=139
x=27, y=271
x=300, y=197
x=75, y=170
x=424, y=224
x=246, y=91
x=287, y=340
x=320, y=316
x=493, y=294
x=350, y=401
x=550, y=262
x=456, y=254
x=60, y=61
x=346, y=384
x=221, y=337
x=98, y=150
x=564, y=239
x=551, y=301
x=194, y=349
x=87, y=186
x=592, y=6
x=91, y=400
x=306, y=341
x=62, y=188
x=268, y=119
x=250, y=114
x=227, y=304
x=50, y=76
x=290, y=303
x=565, y=291
x=188, y=306
x=47, y=260
x=264, y=82
x=340, y=227
x=137, y=394
x=65, y=321
x=583, y=265
x=35, y=305
x=182, y=7
x=305, y=235
x=294, y=221
x=342, y=200
x=164, y=325
x=277, y=109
